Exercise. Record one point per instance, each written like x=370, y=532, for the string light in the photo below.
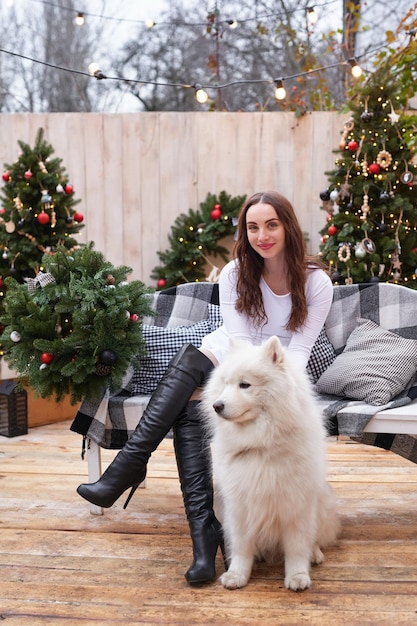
x=280, y=92
x=94, y=70
x=232, y=24
x=312, y=15
x=200, y=95
x=255, y=18
x=356, y=68
x=149, y=23
x=79, y=20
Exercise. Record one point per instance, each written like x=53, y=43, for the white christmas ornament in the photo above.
x=360, y=252
x=15, y=336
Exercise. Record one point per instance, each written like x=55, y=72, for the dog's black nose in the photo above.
x=218, y=406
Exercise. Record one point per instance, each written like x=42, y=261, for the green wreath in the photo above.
x=194, y=237
x=75, y=328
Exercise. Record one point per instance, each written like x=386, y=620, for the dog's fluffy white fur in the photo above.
x=269, y=462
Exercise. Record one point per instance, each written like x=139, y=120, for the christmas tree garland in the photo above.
x=194, y=237
x=76, y=326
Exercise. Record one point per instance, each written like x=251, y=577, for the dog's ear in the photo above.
x=273, y=349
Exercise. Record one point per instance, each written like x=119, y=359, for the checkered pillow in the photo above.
x=322, y=355
x=375, y=366
x=163, y=343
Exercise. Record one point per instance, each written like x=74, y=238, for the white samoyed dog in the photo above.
x=269, y=463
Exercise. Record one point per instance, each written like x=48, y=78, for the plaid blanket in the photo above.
x=110, y=420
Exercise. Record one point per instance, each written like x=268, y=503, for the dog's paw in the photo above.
x=297, y=582
x=318, y=556
x=233, y=580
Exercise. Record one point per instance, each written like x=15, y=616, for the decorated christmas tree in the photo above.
x=194, y=237
x=36, y=212
x=370, y=233
x=37, y=209
x=74, y=328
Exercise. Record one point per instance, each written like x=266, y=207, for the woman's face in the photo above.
x=265, y=231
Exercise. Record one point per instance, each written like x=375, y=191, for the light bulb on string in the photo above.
x=79, y=20
x=280, y=92
x=312, y=15
x=94, y=70
x=149, y=23
x=355, y=68
x=200, y=95
x=232, y=24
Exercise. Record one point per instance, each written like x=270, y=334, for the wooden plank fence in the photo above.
x=134, y=173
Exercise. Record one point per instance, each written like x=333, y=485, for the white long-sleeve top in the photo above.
x=319, y=294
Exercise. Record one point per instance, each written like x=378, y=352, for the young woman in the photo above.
x=271, y=288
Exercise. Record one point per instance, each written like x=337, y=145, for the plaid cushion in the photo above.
x=375, y=365
x=163, y=343
x=322, y=355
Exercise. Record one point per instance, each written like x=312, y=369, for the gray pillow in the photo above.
x=375, y=365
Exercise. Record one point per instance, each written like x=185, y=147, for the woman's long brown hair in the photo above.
x=251, y=264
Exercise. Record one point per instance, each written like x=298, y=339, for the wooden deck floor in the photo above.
x=61, y=565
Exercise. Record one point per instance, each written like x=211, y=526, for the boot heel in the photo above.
x=132, y=491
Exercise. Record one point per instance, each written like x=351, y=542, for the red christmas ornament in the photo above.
x=78, y=217
x=43, y=218
x=68, y=188
x=216, y=212
x=332, y=230
x=1, y=281
x=28, y=174
x=134, y=317
x=6, y=176
x=161, y=283
x=374, y=168
x=353, y=146
x=329, y=217
x=47, y=357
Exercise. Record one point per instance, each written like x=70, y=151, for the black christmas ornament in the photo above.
x=336, y=276
x=384, y=197
x=325, y=195
x=374, y=279
x=383, y=227
x=107, y=357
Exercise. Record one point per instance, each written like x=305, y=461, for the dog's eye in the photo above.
x=244, y=385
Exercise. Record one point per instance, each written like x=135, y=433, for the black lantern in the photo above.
x=13, y=409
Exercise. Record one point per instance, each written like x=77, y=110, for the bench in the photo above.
x=184, y=313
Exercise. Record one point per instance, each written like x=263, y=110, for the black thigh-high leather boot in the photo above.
x=187, y=370
x=192, y=450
